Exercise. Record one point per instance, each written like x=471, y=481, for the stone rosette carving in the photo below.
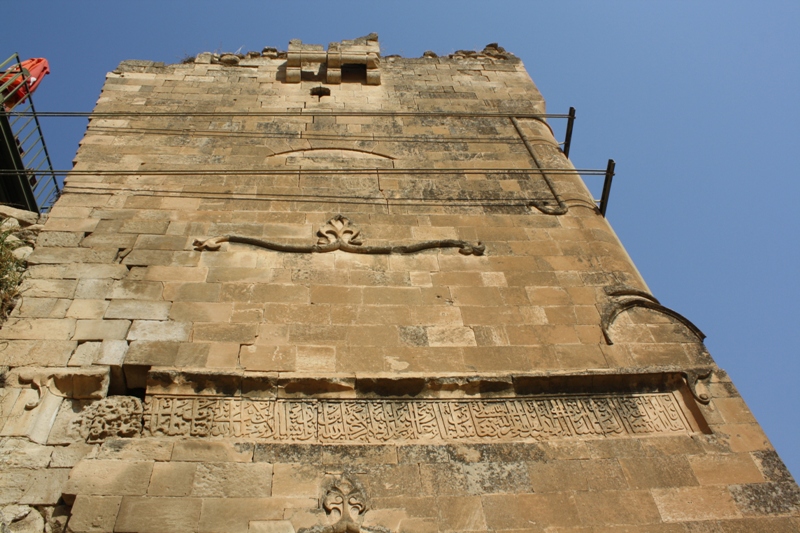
x=340, y=234
x=112, y=417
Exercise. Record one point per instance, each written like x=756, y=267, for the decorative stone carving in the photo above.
x=622, y=298
x=345, y=502
x=114, y=416
x=339, y=234
x=413, y=421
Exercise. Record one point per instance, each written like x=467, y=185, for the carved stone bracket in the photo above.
x=623, y=298
x=692, y=378
x=339, y=234
x=77, y=383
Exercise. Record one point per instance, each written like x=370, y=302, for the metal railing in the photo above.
x=29, y=181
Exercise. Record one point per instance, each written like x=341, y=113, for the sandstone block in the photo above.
x=172, y=479
x=175, y=273
x=85, y=354
x=270, y=526
x=161, y=242
x=136, y=449
x=112, y=352
x=86, y=330
x=725, y=469
x=519, y=511
x=744, y=437
x=225, y=480
x=138, y=309
x=68, y=456
x=461, y=514
x=21, y=453
x=87, y=309
x=36, y=353
x=38, y=328
x=163, y=331
x=297, y=480
x=450, y=336
x=24, y=217
x=557, y=476
x=192, y=292
x=223, y=355
x=48, y=288
x=41, y=256
x=136, y=290
x=102, y=477
x=695, y=503
x=266, y=358
x=201, y=312
x=212, y=332
x=93, y=289
x=315, y=359
x=604, y=508
x=158, y=515
x=94, y=513
x=234, y=515
x=71, y=224
x=47, y=488
x=200, y=450
x=153, y=227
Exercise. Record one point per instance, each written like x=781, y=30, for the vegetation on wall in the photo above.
x=12, y=270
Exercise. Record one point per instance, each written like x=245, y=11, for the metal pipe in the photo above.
x=607, y=186
x=568, y=135
x=271, y=172
x=308, y=113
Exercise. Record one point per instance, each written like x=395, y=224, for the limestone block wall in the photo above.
x=391, y=307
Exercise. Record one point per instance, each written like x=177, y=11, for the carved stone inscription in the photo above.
x=386, y=421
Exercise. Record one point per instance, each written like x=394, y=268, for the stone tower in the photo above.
x=325, y=291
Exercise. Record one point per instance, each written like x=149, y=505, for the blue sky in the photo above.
x=696, y=102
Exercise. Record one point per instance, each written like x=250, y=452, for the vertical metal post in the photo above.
x=607, y=187
x=568, y=136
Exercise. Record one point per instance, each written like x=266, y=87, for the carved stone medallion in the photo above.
x=114, y=416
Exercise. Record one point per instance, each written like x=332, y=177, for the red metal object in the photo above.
x=33, y=70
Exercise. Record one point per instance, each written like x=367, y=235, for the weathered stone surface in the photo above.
x=172, y=479
x=112, y=417
x=695, y=503
x=354, y=269
x=36, y=353
x=224, y=480
x=102, y=477
x=94, y=513
x=32, y=422
x=236, y=515
x=158, y=515
x=21, y=518
x=24, y=217
x=208, y=451
x=47, y=488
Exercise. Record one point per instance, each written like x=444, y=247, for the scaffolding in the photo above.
x=27, y=179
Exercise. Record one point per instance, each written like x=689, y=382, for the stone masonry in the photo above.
x=327, y=291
